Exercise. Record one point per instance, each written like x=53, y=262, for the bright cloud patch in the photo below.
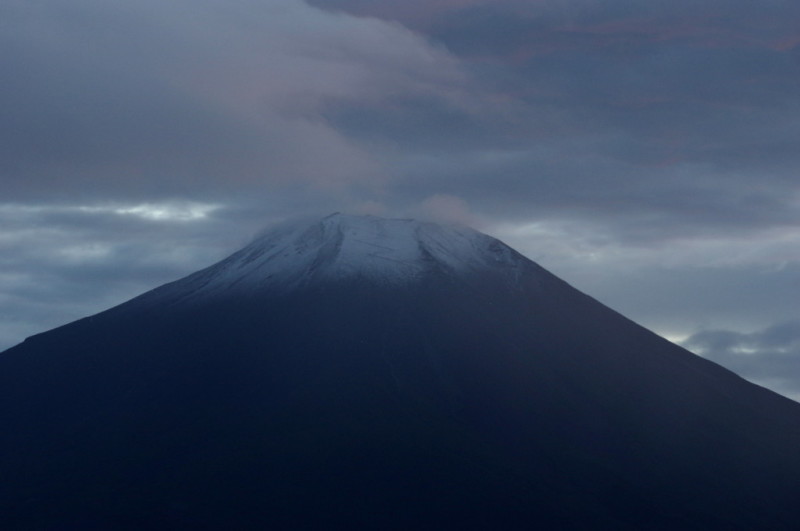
x=165, y=211
x=160, y=211
x=770, y=357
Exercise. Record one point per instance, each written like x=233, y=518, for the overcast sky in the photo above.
x=648, y=152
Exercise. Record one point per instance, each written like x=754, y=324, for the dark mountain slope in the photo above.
x=428, y=394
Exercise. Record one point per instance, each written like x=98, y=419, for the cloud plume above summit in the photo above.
x=194, y=98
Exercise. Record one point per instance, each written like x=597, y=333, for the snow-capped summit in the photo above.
x=339, y=246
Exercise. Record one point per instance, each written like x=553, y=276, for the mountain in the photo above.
x=366, y=373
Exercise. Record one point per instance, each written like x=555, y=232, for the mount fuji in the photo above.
x=363, y=373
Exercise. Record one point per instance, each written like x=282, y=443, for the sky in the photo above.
x=644, y=151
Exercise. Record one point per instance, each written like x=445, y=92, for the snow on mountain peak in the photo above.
x=388, y=251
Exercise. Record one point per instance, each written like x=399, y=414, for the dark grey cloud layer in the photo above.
x=659, y=116
x=645, y=151
x=651, y=114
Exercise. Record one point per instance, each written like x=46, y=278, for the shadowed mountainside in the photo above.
x=485, y=395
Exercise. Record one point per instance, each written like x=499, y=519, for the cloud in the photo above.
x=675, y=287
x=653, y=119
x=770, y=356
x=447, y=209
x=613, y=114
x=193, y=99
x=62, y=262
x=578, y=24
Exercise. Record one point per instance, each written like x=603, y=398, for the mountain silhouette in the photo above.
x=364, y=373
